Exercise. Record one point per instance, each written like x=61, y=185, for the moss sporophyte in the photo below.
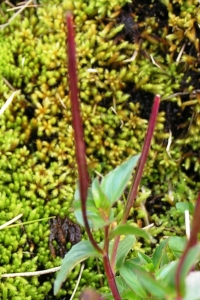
x=127, y=52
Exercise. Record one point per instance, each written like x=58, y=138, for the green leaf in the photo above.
x=166, y=274
x=182, y=206
x=125, y=294
x=91, y=209
x=141, y=281
x=114, y=183
x=189, y=261
x=76, y=255
x=144, y=259
x=160, y=257
x=125, y=246
x=77, y=196
x=95, y=218
x=127, y=230
x=145, y=262
x=129, y=294
x=121, y=284
x=100, y=199
x=177, y=245
x=153, y=286
x=132, y=280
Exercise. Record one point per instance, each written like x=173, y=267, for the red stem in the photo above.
x=78, y=128
x=107, y=267
x=139, y=172
x=110, y=277
x=114, y=252
x=143, y=158
x=81, y=156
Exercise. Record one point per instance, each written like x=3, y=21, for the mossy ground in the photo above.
x=127, y=52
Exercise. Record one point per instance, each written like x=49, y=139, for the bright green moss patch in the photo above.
x=126, y=53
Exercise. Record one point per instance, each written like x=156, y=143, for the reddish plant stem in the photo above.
x=110, y=277
x=107, y=267
x=78, y=128
x=143, y=158
x=114, y=252
x=81, y=156
x=106, y=239
x=139, y=172
x=191, y=243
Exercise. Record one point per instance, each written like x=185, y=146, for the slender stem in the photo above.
x=143, y=158
x=111, y=277
x=114, y=252
x=81, y=157
x=106, y=239
x=139, y=172
x=78, y=128
x=107, y=267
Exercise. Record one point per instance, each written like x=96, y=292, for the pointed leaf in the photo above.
x=76, y=255
x=132, y=279
x=125, y=292
x=129, y=294
x=144, y=259
x=77, y=196
x=166, y=271
x=121, y=284
x=124, y=247
x=177, y=245
x=146, y=262
x=189, y=261
x=78, y=211
x=127, y=230
x=160, y=257
x=100, y=199
x=114, y=183
x=166, y=274
x=146, y=281
x=182, y=206
x=153, y=286
x=95, y=218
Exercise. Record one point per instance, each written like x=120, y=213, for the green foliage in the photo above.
x=182, y=206
x=132, y=280
x=100, y=199
x=177, y=245
x=114, y=183
x=103, y=196
x=100, y=204
x=76, y=255
x=36, y=141
x=128, y=229
x=141, y=277
x=124, y=248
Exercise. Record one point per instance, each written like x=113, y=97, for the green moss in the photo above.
x=38, y=169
